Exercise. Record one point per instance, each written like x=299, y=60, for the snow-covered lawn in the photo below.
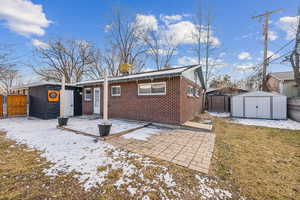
x=100, y=164
x=282, y=124
x=89, y=125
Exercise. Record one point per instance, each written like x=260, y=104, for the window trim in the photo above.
x=111, y=91
x=152, y=94
x=90, y=99
x=188, y=94
x=197, y=90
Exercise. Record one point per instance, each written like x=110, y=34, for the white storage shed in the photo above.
x=259, y=105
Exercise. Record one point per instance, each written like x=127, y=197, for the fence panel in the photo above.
x=218, y=103
x=294, y=108
x=16, y=105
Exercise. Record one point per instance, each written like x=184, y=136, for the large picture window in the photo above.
x=152, y=88
x=87, y=94
x=116, y=90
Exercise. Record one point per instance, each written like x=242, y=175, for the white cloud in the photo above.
x=288, y=24
x=187, y=60
x=107, y=27
x=247, y=67
x=244, y=56
x=222, y=54
x=273, y=35
x=185, y=32
x=145, y=22
x=24, y=17
x=39, y=44
x=167, y=19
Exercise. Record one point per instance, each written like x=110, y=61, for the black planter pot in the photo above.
x=62, y=121
x=104, y=129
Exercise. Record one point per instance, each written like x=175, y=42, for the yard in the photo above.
x=264, y=163
x=39, y=161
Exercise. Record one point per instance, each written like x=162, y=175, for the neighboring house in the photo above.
x=283, y=83
x=167, y=96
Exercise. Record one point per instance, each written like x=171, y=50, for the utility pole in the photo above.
x=266, y=17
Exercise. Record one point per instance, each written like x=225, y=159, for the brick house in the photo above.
x=283, y=83
x=170, y=96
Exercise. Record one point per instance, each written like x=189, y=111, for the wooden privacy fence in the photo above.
x=293, y=108
x=13, y=105
x=218, y=103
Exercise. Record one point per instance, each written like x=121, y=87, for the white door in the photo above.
x=257, y=107
x=97, y=100
x=69, y=103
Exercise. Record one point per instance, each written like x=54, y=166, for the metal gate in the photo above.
x=218, y=103
x=16, y=105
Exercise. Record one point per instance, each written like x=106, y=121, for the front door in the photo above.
x=69, y=103
x=97, y=100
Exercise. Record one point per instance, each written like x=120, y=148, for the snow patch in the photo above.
x=282, y=124
x=219, y=114
x=209, y=192
x=142, y=134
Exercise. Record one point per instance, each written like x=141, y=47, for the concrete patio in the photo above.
x=186, y=148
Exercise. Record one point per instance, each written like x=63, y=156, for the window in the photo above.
x=190, y=91
x=152, y=88
x=197, y=92
x=116, y=90
x=87, y=94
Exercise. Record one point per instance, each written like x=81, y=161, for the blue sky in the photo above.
x=239, y=35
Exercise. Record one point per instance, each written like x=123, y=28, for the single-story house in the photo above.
x=167, y=96
x=283, y=83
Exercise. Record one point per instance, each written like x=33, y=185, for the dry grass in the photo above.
x=264, y=163
x=22, y=176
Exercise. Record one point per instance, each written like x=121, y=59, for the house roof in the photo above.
x=143, y=75
x=39, y=83
x=283, y=76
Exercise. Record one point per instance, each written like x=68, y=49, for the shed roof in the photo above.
x=259, y=93
x=283, y=76
x=143, y=75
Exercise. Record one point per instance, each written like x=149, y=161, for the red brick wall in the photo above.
x=170, y=108
x=190, y=106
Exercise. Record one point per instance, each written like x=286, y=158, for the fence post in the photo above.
x=4, y=106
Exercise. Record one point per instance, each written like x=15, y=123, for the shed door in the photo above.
x=97, y=100
x=257, y=107
x=69, y=103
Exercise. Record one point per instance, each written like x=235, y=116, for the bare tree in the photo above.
x=64, y=57
x=8, y=79
x=295, y=56
x=161, y=48
x=125, y=36
x=205, y=48
x=6, y=60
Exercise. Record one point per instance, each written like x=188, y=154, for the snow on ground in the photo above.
x=90, y=125
x=143, y=134
x=219, y=114
x=282, y=124
x=74, y=152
